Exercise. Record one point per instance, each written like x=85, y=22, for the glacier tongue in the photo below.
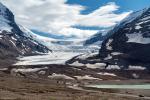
x=51, y=58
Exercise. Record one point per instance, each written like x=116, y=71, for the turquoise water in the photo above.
x=142, y=86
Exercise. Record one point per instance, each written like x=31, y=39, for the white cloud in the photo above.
x=57, y=17
x=103, y=16
x=77, y=32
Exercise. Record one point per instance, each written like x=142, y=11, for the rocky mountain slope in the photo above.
x=126, y=47
x=129, y=43
x=13, y=41
x=97, y=38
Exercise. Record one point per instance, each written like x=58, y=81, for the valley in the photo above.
x=113, y=63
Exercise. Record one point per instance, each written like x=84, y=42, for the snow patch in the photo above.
x=28, y=69
x=116, y=53
x=113, y=67
x=96, y=65
x=76, y=63
x=136, y=68
x=146, y=18
x=86, y=77
x=92, y=66
x=12, y=43
x=108, y=57
x=138, y=27
x=137, y=38
x=42, y=72
x=135, y=75
x=108, y=44
x=1, y=36
x=58, y=76
x=107, y=74
x=3, y=69
x=14, y=38
x=85, y=56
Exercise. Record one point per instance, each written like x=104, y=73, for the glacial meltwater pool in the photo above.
x=142, y=86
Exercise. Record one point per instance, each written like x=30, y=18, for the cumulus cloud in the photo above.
x=55, y=16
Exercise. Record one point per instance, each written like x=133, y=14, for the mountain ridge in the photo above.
x=129, y=41
x=13, y=40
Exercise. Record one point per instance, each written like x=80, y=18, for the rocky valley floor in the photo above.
x=39, y=78
x=24, y=85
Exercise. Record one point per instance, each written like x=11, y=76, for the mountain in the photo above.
x=13, y=41
x=97, y=38
x=125, y=52
x=126, y=46
x=129, y=44
x=55, y=42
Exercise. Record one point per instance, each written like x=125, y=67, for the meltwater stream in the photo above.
x=142, y=86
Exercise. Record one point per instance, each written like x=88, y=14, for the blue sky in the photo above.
x=81, y=18
x=125, y=5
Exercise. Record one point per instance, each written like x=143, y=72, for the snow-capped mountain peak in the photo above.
x=13, y=42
